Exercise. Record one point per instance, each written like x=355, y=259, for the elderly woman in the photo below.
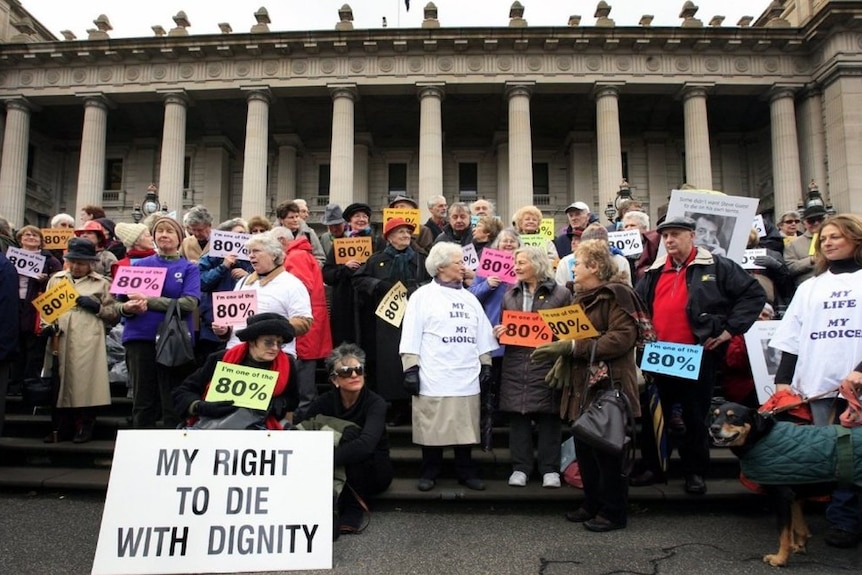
x=278, y=291
x=524, y=395
x=78, y=339
x=260, y=348
x=485, y=232
x=152, y=383
x=397, y=262
x=364, y=447
x=818, y=338
x=199, y=223
x=527, y=221
x=565, y=273
x=31, y=344
x=613, y=308
x=94, y=232
x=446, y=342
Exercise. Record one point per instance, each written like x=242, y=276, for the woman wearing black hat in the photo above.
x=260, y=348
x=78, y=339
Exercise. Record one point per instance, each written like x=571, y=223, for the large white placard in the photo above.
x=723, y=222
x=763, y=359
x=217, y=502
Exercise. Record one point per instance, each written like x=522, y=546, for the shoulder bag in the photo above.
x=173, y=340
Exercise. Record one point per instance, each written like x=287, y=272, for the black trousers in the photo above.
x=606, y=491
x=549, y=429
x=432, y=462
x=153, y=384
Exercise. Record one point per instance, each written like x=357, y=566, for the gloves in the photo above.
x=215, y=409
x=411, y=380
x=49, y=330
x=768, y=262
x=88, y=303
x=558, y=376
x=484, y=376
x=278, y=407
x=551, y=351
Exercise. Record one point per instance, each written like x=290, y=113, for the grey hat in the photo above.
x=400, y=198
x=332, y=215
x=81, y=249
x=679, y=222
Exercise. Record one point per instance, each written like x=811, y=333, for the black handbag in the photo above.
x=173, y=340
x=607, y=423
x=37, y=391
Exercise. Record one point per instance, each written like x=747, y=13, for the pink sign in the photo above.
x=497, y=263
x=143, y=280
x=234, y=307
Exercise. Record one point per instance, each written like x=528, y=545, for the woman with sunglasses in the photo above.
x=364, y=448
x=799, y=254
x=260, y=347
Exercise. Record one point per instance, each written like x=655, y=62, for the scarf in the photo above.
x=264, y=279
x=400, y=270
x=280, y=364
x=453, y=284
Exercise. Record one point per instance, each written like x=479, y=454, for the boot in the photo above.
x=84, y=430
x=63, y=428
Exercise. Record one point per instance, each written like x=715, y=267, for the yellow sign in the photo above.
x=812, y=247
x=570, y=322
x=246, y=386
x=534, y=240
x=410, y=215
x=56, y=301
x=547, y=228
x=393, y=305
x=346, y=249
x=56, y=238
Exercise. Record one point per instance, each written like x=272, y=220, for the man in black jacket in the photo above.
x=694, y=297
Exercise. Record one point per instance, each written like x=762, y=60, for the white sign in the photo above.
x=228, y=244
x=26, y=263
x=762, y=358
x=759, y=225
x=471, y=258
x=723, y=222
x=749, y=256
x=627, y=241
x=185, y=501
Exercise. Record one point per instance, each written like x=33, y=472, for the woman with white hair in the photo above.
x=278, y=291
x=446, y=342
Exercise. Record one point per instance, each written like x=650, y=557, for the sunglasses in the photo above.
x=271, y=343
x=791, y=221
x=349, y=370
x=814, y=220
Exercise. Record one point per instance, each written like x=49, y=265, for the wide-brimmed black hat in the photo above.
x=353, y=208
x=81, y=249
x=267, y=324
x=814, y=212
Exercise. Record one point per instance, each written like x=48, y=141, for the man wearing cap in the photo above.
x=579, y=218
x=695, y=298
x=289, y=216
x=333, y=219
x=422, y=242
x=799, y=254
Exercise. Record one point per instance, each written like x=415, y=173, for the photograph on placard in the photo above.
x=771, y=356
x=712, y=232
x=762, y=358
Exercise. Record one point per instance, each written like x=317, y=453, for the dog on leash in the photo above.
x=790, y=462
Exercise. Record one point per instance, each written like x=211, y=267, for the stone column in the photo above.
x=288, y=149
x=362, y=144
x=91, y=165
x=657, y=179
x=520, y=146
x=255, y=154
x=13, y=167
x=501, y=143
x=608, y=153
x=787, y=182
x=430, y=143
x=173, y=152
x=216, y=193
x=812, y=140
x=341, y=151
x=581, y=172
x=698, y=162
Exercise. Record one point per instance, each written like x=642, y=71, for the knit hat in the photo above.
x=594, y=233
x=129, y=233
x=172, y=222
x=267, y=323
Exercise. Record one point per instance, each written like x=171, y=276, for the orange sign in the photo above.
x=524, y=328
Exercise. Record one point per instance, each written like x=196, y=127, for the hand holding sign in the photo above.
x=234, y=307
x=524, y=328
x=570, y=322
x=497, y=263
x=627, y=241
x=56, y=301
x=347, y=249
x=223, y=244
x=26, y=263
x=147, y=281
x=245, y=386
x=471, y=258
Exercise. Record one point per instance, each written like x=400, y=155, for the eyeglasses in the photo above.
x=349, y=370
x=814, y=220
x=258, y=230
x=791, y=221
x=271, y=342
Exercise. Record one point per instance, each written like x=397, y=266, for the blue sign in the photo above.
x=675, y=359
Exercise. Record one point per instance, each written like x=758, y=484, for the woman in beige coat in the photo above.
x=78, y=340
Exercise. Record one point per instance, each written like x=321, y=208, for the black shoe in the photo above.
x=84, y=433
x=579, y=516
x=473, y=483
x=599, y=524
x=425, y=484
x=695, y=485
x=842, y=539
x=646, y=478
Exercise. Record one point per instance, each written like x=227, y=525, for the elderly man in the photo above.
x=799, y=253
x=695, y=298
x=303, y=208
x=706, y=232
x=198, y=223
x=333, y=219
x=650, y=239
x=438, y=208
x=482, y=207
x=579, y=217
x=290, y=216
x=458, y=228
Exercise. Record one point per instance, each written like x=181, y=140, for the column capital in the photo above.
x=96, y=100
x=780, y=91
x=426, y=89
x=691, y=90
x=363, y=139
x=343, y=91
x=604, y=89
x=258, y=93
x=178, y=97
x=519, y=89
x=291, y=140
x=20, y=103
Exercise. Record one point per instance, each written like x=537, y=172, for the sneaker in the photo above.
x=551, y=480
x=519, y=479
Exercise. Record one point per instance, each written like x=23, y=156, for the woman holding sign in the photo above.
x=78, y=339
x=613, y=309
x=528, y=220
x=373, y=281
x=524, y=395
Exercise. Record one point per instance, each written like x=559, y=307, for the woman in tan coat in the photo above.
x=78, y=340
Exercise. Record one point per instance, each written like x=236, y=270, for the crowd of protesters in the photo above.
x=442, y=369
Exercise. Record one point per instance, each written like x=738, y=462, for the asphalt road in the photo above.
x=51, y=532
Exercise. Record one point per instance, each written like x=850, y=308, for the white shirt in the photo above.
x=448, y=329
